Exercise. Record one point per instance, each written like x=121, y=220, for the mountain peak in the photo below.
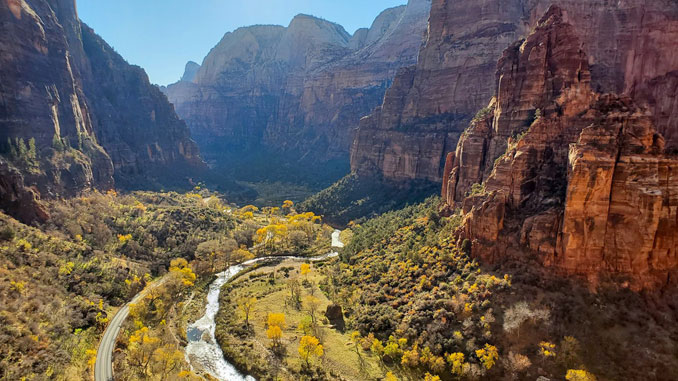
x=190, y=71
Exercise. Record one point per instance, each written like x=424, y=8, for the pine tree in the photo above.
x=57, y=143
x=32, y=151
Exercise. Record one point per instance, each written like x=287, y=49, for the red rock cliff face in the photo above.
x=93, y=116
x=585, y=183
x=300, y=89
x=627, y=44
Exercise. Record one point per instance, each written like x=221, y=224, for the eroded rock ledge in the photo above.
x=552, y=169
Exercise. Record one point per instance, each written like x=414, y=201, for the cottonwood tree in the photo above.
x=246, y=305
x=310, y=347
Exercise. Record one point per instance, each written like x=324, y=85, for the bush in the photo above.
x=7, y=233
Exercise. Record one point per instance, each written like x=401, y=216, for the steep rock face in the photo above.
x=300, y=89
x=93, y=116
x=628, y=45
x=17, y=199
x=585, y=183
x=190, y=71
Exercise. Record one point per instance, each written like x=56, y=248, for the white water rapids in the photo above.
x=203, y=352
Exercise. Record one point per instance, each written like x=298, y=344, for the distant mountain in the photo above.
x=295, y=93
x=190, y=71
x=75, y=115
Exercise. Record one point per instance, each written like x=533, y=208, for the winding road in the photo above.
x=103, y=367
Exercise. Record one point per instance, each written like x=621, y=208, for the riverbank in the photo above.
x=249, y=349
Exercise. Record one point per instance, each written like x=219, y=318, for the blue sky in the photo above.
x=162, y=35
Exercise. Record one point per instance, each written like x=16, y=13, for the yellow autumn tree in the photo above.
x=310, y=347
x=305, y=269
x=411, y=357
x=456, y=361
x=275, y=324
x=167, y=361
x=246, y=305
x=488, y=356
x=579, y=375
x=142, y=345
x=180, y=270
x=274, y=333
x=547, y=349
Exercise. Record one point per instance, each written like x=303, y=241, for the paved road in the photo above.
x=103, y=368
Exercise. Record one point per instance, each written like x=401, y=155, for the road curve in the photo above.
x=103, y=367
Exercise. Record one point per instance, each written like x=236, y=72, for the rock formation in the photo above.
x=300, y=89
x=629, y=46
x=92, y=117
x=556, y=170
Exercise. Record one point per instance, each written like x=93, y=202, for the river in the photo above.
x=203, y=352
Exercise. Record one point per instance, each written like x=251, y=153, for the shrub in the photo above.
x=7, y=233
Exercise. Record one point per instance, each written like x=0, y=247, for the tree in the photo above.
x=390, y=377
x=456, y=361
x=312, y=305
x=295, y=292
x=411, y=357
x=167, y=360
x=377, y=348
x=275, y=325
x=179, y=270
x=355, y=338
x=246, y=305
x=305, y=269
x=32, y=150
x=516, y=363
x=274, y=333
x=579, y=375
x=547, y=349
x=430, y=377
x=140, y=351
x=310, y=347
x=392, y=349
x=287, y=206
x=488, y=356
x=58, y=144
x=568, y=355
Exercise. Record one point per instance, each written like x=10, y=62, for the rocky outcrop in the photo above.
x=94, y=118
x=17, y=199
x=299, y=89
x=552, y=169
x=190, y=71
x=629, y=45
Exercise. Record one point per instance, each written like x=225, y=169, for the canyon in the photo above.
x=94, y=120
x=429, y=105
x=295, y=93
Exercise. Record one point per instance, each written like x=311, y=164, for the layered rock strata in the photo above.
x=553, y=169
x=300, y=89
x=630, y=46
x=93, y=117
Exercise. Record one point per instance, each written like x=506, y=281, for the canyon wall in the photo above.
x=73, y=114
x=429, y=106
x=555, y=169
x=299, y=90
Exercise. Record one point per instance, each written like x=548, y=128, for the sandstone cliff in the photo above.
x=555, y=170
x=630, y=50
x=298, y=90
x=92, y=117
